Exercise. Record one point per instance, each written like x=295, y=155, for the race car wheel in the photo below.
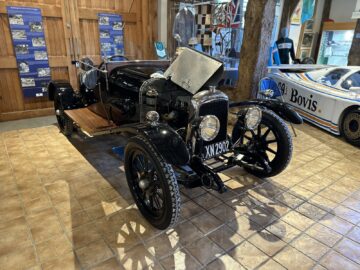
x=152, y=182
x=350, y=127
x=271, y=142
x=66, y=125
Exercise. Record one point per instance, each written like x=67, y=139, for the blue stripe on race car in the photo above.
x=316, y=90
x=332, y=130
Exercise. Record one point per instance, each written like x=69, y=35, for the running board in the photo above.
x=91, y=123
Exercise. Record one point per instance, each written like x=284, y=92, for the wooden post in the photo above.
x=354, y=54
x=288, y=10
x=254, y=54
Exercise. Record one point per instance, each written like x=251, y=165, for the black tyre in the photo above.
x=271, y=141
x=66, y=125
x=152, y=183
x=350, y=127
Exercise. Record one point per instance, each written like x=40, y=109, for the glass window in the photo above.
x=351, y=81
x=333, y=76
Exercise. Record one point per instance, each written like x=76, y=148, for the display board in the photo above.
x=30, y=50
x=111, y=34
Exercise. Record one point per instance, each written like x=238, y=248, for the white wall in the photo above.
x=341, y=10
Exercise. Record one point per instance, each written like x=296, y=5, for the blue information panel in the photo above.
x=111, y=34
x=30, y=49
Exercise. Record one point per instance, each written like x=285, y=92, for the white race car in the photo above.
x=327, y=97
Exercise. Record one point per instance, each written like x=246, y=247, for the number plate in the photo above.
x=216, y=149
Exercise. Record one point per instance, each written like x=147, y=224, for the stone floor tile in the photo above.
x=283, y=230
x=14, y=235
x=244, y=226
x=289, y=200
x=349, y=249
x=53, y=248
x=204, y=255
x=181, y=260
x=83, y=235
x=335, y=261
x=267, y=242
x=291, y=258
x=225, y=262
x=347, y=214
x=224, y=212
x=225, y=238
x=163, y=245
x=207, y=201
x=134, y=258
x=110, y=264
x=323, y=203
x=324, y=234
x=44, y=225
x=206, y=222
x=297, y=220
x=311, y=211
x=337, y=224
x=67, y=261
x=187, y=232
x=10, y=208
x=352, y=203
x=19, y=259
x=271, y=265
x=310, y=247
x=354, y=234
x=190, y=209
x=248, y=255
x=333, y=195
x=93, y=253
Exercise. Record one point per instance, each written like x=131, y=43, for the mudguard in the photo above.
x=280, y=108
x=166, y=141
x=66, y=93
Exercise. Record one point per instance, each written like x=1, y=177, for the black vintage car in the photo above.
x=177, y=123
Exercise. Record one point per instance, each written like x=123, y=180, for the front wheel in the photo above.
x=65, y=124
x=350, y=127
x=270, y=144
x=152, y=182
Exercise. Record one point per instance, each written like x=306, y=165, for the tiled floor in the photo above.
x=64, y=204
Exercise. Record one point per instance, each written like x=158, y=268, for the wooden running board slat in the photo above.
x=90, y=121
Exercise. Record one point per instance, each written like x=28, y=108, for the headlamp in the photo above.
x=209, y=127
x=253, y=118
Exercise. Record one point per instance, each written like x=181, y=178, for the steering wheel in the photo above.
x=111, y=58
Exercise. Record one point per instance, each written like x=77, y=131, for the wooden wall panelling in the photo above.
x=65, y=20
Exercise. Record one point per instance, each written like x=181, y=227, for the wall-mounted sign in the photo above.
x=111, y=34
x=30, y=49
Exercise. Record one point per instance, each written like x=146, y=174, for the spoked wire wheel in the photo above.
x=66, y=125
x=152, y=183
x=270, y=142
x=146, y=183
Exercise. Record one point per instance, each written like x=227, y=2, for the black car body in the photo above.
x=177, y=122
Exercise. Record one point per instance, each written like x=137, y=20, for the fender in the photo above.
x=280, y=108
x=166, y=141
x=67, y=95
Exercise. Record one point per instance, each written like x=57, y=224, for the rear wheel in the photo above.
x=66, y=125
x=270, y=142
x=350, y=127
x=152, y=183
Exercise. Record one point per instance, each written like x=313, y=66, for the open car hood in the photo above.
x=193, y=70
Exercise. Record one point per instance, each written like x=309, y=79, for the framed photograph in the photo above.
x=104, y=20
x=22, y=49
x=309, y=25
x=38, y=42
x=305, y=53
x=16, y=19
x=307, y=40
x=40, y=55
x=36, y=27
x=18, y=34
x=27, y=82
